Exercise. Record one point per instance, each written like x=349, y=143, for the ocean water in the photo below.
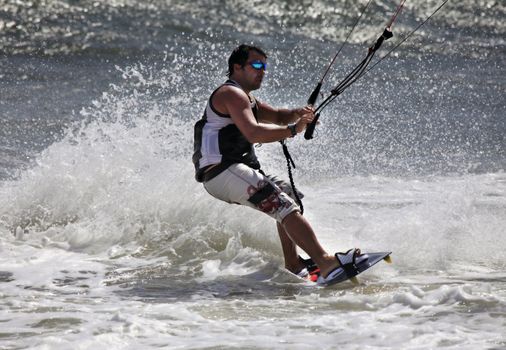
x=106, y=241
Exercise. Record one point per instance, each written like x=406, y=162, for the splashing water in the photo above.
x=107, y=241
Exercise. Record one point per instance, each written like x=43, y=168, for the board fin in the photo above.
x=355, y=281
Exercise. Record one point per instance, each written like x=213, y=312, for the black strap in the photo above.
x=350, y=268
x=262, y=194
x=215, y=171
x=309, y=263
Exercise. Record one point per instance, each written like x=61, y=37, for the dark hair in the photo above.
x=240, y=56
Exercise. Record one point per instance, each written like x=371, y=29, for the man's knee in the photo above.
x=294, y=215
x=271, y=200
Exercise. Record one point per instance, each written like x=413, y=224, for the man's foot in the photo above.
x=331, y=264
x=297, y=267
x=340, y=260
x=348, y=267
x=304, y=267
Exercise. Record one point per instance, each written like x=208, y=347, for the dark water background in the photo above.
x=435, y=107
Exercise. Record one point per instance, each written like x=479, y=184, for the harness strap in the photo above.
x=215, y=171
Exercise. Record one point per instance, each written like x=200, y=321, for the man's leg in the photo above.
x=298, y=229
x=292, y=262
x=244, y=185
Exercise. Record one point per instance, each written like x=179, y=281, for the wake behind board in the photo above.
x=349, y=270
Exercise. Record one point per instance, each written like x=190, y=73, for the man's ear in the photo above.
x=237, y=67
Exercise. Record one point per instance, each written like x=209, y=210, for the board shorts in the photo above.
x=240, y=184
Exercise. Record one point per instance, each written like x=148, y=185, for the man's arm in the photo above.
x=279, y=116
x=235, y=102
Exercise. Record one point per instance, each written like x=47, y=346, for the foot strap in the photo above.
x=348, y=261
x=309, y=263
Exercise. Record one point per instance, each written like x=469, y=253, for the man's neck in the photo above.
x=240, y=85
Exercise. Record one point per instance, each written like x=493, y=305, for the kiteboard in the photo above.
x=361, y=263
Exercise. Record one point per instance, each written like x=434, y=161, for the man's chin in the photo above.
x=257, y=85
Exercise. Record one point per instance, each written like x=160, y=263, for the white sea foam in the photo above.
x=163, y=265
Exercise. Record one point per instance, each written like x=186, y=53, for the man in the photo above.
x=226, y=163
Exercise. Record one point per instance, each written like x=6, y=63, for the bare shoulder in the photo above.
x=231, y=92
x=227, y=96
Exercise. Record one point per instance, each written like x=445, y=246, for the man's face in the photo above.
x=254, y=71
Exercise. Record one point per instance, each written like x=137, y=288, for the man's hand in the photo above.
x=306, y=116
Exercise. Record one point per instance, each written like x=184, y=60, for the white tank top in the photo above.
x=216, y=121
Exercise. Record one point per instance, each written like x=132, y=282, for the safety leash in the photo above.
x=289, y=164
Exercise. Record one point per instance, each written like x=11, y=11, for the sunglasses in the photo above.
x=258, y=65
